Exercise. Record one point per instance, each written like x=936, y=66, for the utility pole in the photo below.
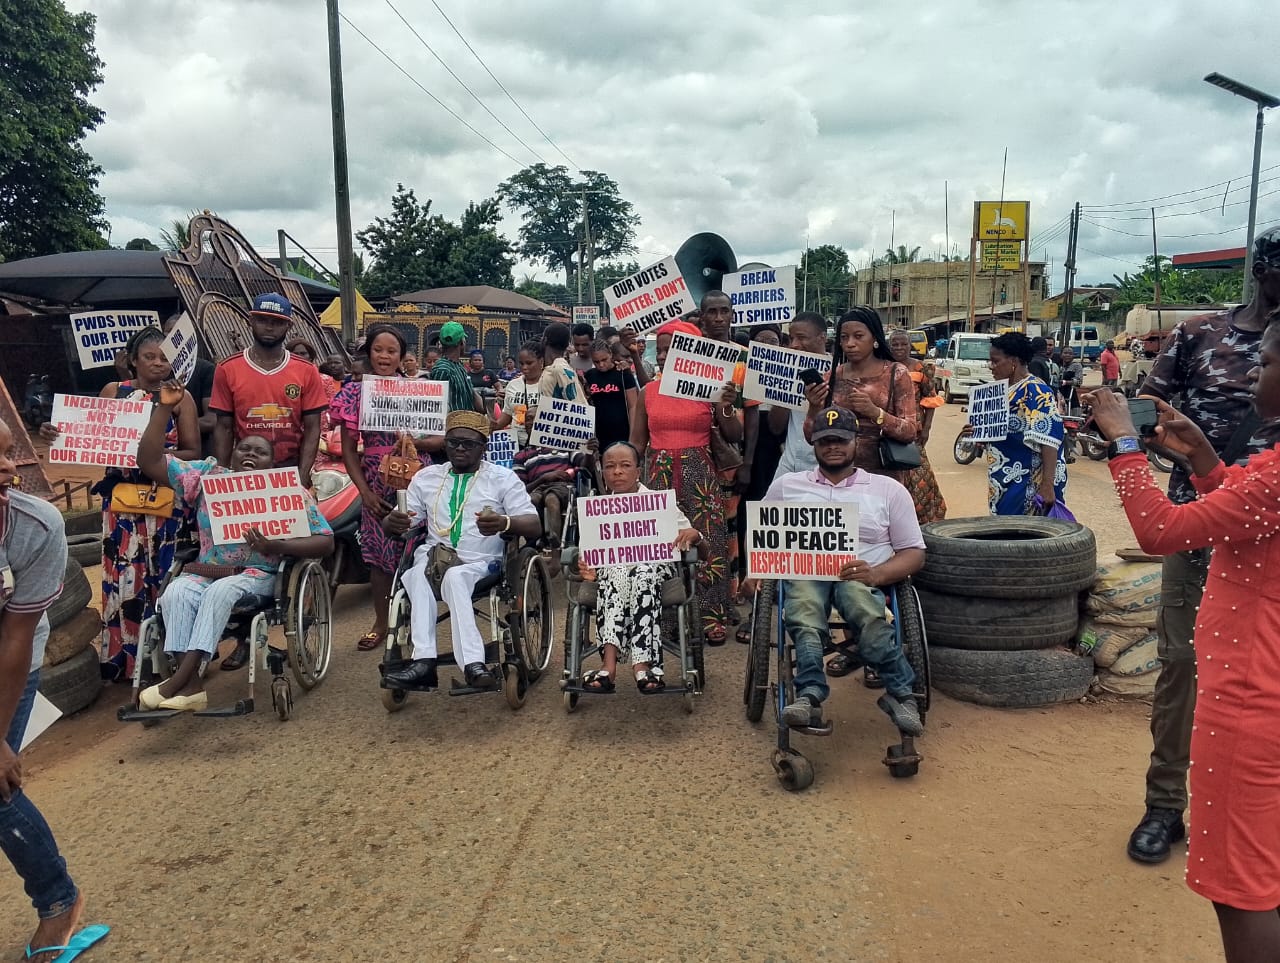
x=1155, y=260
x=591, y=255
x=341, y=185
x=1064, y=329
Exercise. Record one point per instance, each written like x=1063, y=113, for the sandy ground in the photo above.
x=460, y=831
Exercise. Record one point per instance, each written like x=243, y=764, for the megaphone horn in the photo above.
x=703, y=260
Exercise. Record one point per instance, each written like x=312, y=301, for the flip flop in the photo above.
x=370, y=641
x=78, y=943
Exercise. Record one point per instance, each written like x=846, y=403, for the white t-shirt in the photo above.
x=520, y=401
x=493, y=487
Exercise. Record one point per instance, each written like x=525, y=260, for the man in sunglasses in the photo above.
x=467, y=506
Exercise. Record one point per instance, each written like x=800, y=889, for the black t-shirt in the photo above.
x=482, y=379
x=200, y=387
x=607, y=390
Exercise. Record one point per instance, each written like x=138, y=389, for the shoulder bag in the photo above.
x=399, y=465
x=897, y=455
x=141, y=498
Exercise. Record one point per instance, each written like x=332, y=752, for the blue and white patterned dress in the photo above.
x=1013, y=465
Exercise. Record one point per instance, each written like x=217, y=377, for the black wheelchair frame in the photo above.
x=769, y=638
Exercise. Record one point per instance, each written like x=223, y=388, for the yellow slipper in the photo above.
x=185, y=703
x=150, y=698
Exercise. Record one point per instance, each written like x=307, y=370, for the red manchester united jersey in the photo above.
x=269, y=403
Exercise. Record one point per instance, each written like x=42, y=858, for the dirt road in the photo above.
x=460, y=831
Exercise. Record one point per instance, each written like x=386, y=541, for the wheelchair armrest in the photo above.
x=186, y=552
x=569, y=557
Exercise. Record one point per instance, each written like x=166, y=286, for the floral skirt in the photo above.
x=925, y=493
x=137, y=554
x=691, y=475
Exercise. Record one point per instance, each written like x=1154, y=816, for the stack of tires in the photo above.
x=1001, y=605
x=84, y=537
x=71, y=677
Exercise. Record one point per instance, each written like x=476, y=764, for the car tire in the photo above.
x=1010, y=680
x=1007, y=557
x=76, y=594
x=83, y=523
x=75, y=684
x=85, y=550
x=72, y=638
x=999, y=625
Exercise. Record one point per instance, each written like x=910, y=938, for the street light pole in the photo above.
x=1264, y=101
x=341, y=186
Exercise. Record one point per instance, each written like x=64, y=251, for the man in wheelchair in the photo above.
x=891, y=548
x=198, y=603
x=466, y=507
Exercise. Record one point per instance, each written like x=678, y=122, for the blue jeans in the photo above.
x=807, y=610
x=26, y=838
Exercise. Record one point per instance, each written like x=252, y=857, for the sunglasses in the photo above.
x=462, y=444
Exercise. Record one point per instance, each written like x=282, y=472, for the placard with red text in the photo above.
x=272, y=501
x=103, y=432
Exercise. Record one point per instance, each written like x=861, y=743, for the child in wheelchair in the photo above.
x=198, y=603
x=464, y=508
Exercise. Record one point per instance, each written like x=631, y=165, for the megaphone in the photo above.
x=703, y=260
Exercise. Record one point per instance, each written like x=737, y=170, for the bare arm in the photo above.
x=640, y=426
x=310, y=445
x=188, y=430
x=223, y=435
x=17, y=633
x=151, y=455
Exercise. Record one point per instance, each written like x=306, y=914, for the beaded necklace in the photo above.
x=457, y=504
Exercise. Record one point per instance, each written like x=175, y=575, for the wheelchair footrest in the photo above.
x=823, y=730
x=587, y=690
x=457, y=688
x=134, y=714
x=241, y=708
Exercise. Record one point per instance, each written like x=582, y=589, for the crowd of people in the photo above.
x=852, y=440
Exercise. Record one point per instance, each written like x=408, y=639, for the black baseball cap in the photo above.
x=835, y=422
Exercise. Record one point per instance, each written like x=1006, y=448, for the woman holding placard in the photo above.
x=380, y=354
x=137, y=546
x=629, y=603
x=673, y=435
x=1017, y=482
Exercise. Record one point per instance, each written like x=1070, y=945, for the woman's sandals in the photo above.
x=649, y=681
x=597, y=680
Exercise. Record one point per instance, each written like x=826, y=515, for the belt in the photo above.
x=212, y=571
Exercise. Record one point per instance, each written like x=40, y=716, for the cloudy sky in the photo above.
x=828, y=122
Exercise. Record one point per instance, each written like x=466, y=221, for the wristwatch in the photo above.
x=880, y=417
x=1125, y=445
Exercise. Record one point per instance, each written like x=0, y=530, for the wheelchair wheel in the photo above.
x=570, y=700
x=756, y=690
x=515, y=683
x=795, y=772
x=309, y=624
x=697, y=645
x=393, y=700
x=281, y=698
x=914, y=641
x=536, y=616
x=901, y=770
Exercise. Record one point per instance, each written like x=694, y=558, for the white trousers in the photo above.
x=455, y=589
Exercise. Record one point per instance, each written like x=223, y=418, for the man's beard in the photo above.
x=268, y=341
x=840, y=465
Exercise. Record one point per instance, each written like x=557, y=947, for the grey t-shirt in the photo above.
x=33, y=559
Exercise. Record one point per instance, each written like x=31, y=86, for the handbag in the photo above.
x=897, y=455
x=440, y=559
x=138, y=498
x=399, y=465
x=726, y=457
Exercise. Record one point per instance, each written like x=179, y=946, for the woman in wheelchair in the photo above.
x=466, y=506
x=629, y=607
x=198, y=603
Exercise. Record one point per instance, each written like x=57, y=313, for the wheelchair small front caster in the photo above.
x=903, y=760
x=795, y=772
x=282, y=697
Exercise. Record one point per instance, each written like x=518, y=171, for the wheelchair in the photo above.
x=769, y=641
x=301, y=602
x=679, y=604
x=521, y=623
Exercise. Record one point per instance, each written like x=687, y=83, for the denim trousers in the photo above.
x=26, y=838
x=806, y=615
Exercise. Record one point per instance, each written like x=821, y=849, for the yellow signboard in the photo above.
x=1001, y=255
x=1001, y=220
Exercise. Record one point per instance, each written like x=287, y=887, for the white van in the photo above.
x=1085, y=342
x=964, y=365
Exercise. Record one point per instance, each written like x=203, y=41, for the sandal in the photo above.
x=839, y=665
x=871, y=678
x=370, y=641
x=649, y=682
x=743, y=635
x=597, y=680
x=716, y=635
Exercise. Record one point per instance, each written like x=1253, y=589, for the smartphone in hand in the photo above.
x=1145, y=416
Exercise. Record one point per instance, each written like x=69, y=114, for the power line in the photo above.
x=503, y=88
x=413, y=80
x=1110, y=258
x=1204, y=210
x=463, y=83
x=1113, y=208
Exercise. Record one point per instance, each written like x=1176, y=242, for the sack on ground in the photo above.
x=1106, y=643
x=1139, y=659
x=1126, y=686
x=1125, y=588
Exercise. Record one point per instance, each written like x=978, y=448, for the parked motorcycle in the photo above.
x=37, y=401
x=1094, y=446
x=339, y=502
x=965, y=449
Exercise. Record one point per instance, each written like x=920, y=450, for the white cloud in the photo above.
x=760, y=121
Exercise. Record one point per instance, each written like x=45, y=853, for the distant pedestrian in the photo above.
x=1109, y=362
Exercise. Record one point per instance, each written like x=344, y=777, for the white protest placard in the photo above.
x=649, y=298
x=804, y=541
x=103, y=432
x=562, y=425
x=762, y=295
x=43, y=714
x=100, y=334
x=635, y=529
x=773, y=374
x=182, y=348
x=502, y=448
x=697, y=368
x=403, y=404
x=272, y=501
x=586, y=314
x=989, y=411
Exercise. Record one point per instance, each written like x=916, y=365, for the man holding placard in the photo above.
x=197, y=604
x=888, y=548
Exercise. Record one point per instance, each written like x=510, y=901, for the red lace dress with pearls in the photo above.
x=1234, y=832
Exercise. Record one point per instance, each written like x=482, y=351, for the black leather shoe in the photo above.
x=478, y=676
x=237, y=659
x=1159, y=829
x=418, y=674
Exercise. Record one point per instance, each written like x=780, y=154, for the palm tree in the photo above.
x=176, y=237
x=902, y=255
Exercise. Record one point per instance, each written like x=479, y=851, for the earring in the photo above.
x=875, y=344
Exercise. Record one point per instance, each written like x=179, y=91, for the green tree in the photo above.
x=414, y=249
x=550, y=201
x=822, y=283
x=141, y=244
x=548, y=291
x=1177, y=286
x=903, y=255
x=49, y=200
x=178, y=234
